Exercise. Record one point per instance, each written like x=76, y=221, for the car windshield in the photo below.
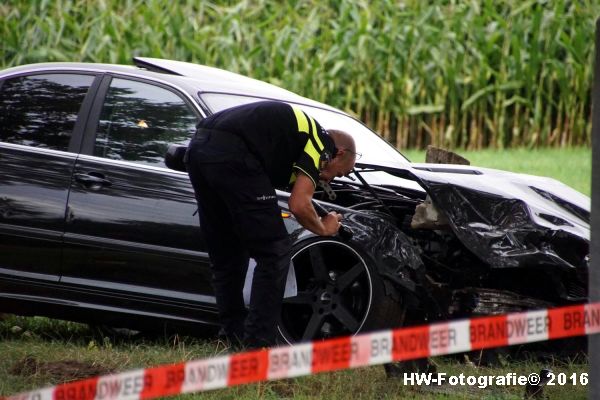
x=373, y=148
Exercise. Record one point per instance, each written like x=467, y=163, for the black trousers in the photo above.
x=239, y=219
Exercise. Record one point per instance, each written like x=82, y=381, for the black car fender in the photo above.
x=396, y=259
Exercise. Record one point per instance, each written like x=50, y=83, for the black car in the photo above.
x=95, y=228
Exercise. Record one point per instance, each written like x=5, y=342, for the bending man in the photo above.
x=235, y=160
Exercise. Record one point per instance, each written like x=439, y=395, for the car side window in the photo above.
x=139, y=120
x=41, y=110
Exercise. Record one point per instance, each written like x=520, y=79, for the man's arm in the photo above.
x=301, y=206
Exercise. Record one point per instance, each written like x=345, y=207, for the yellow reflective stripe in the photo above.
x=303, y=127
x=292, y=178
x=301, y=118
x=312, y=153
x=316, y=134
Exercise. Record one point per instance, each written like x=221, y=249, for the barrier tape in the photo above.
x=329, y=355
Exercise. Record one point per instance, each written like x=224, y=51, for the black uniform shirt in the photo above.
x=283, y=138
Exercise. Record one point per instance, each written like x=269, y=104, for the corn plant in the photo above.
x=454, y=73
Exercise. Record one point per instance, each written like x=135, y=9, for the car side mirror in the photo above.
x=174, y=157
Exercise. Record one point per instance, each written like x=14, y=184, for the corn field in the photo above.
x=458, y=74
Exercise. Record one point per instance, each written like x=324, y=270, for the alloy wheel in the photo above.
x=334, y=293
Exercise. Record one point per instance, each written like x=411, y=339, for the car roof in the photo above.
x=193, y=78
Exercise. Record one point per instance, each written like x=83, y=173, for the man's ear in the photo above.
x=341, y=155
x=335, y=151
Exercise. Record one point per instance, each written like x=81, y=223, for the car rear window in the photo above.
x=139, y=120
x=41, y=110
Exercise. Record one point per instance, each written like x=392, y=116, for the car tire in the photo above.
x=339, y=293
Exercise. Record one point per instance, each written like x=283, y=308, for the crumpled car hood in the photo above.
x=543, y=196
x=507, y=219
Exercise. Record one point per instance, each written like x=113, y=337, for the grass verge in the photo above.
x=52, y=341
x=572, y=166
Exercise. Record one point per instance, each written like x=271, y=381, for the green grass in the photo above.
x=51, y=340
x=460, y=73
x=572, y=166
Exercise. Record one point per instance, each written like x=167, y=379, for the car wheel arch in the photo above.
x=367, y=295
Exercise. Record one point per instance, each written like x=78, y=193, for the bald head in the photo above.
x=342, y=140
x=343, y=161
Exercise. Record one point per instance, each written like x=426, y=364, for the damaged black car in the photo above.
x=95, y=228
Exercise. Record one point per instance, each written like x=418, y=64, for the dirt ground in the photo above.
x=58, y=370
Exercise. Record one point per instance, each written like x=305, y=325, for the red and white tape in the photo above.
x=330, y=355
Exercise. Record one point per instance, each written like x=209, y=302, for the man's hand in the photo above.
x=301, y=206
x=331, y=223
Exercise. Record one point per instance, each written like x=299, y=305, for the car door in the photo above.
x=41, y=121
x=131, y=228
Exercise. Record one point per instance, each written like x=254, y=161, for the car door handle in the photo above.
x=93, y=180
